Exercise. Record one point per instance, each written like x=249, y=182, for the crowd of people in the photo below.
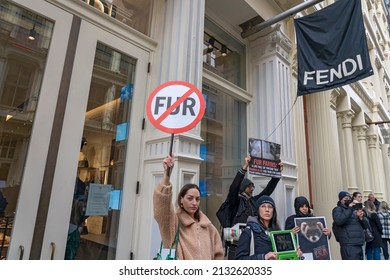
x=352, y=217
x=199, y=239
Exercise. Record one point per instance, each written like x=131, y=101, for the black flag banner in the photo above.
x=331, y=47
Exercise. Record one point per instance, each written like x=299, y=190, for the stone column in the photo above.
x=324, y=152
x=272, y=101
x=179, y=30
x=270, y=84
x=178, y=27
x=372, y=140
x=381, y=91
x=347, y=156
x=362, y=168
x=386, y=167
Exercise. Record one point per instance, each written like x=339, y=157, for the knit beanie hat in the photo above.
x=244, y=184
x=264, y=199
x=343, y=194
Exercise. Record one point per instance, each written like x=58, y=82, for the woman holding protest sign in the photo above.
x=198, y=238
x=240, y=202
x=302, y=210
x=259, y=229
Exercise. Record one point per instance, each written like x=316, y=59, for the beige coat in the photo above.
x=197, y=241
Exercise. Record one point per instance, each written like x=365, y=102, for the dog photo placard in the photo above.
x=313, y=243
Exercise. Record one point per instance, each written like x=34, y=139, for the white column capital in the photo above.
x=333, y=98
x=361, y=131
x=346, y=118
x=271, y=42
x=371, y=140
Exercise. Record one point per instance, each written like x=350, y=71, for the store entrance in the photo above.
x=72, y=106
x=95, y=183
x=99, y=182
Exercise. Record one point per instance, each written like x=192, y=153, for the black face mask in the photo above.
x=347, y=202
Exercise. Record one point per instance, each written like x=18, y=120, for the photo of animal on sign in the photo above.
x=313, y=243
x=265, y=158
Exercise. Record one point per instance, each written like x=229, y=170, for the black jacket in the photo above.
x=376, y=228
x=347, y=227
x=261, y=240
x=241, y=207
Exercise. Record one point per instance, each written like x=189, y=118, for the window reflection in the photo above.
x=224, y=55
x=103, y=150
x=223, y=129
x=134, y=13
x=22, y=63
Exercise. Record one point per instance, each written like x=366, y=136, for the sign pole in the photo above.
x=170, y=153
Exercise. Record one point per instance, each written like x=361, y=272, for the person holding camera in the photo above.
x=348, y=225
x=241, y=199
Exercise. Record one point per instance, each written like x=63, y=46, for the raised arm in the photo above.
x=234, y=188
x=163, y=209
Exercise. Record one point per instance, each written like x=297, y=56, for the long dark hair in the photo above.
x=183, y=191
x=273, y=223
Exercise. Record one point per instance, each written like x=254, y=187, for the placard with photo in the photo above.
x=265, y=157
x=313, y=243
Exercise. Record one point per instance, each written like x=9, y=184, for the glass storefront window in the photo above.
x=99, y=181
x=223, y=129
x=134, y=13
x=224, y=55
x=24, y=43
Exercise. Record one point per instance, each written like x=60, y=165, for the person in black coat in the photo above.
x=241, y=199
x=260, y=226
x=348, y=225
x=371, y=197
x=302, y=210
x=373, y=248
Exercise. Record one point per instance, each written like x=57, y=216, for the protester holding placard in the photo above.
x=302, y=209
x=198, y=238
x=242, y=202
x=257, y=233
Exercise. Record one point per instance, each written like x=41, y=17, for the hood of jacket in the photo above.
x=253, y=222
x=245, y=182
x=299, y=202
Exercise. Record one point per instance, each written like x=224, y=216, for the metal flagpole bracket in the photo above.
x=279, y=17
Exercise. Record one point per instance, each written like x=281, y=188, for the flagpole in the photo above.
x=376, y=123
x=279, y=17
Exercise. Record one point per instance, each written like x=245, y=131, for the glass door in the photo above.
x=92, y=207
x=32, y=55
